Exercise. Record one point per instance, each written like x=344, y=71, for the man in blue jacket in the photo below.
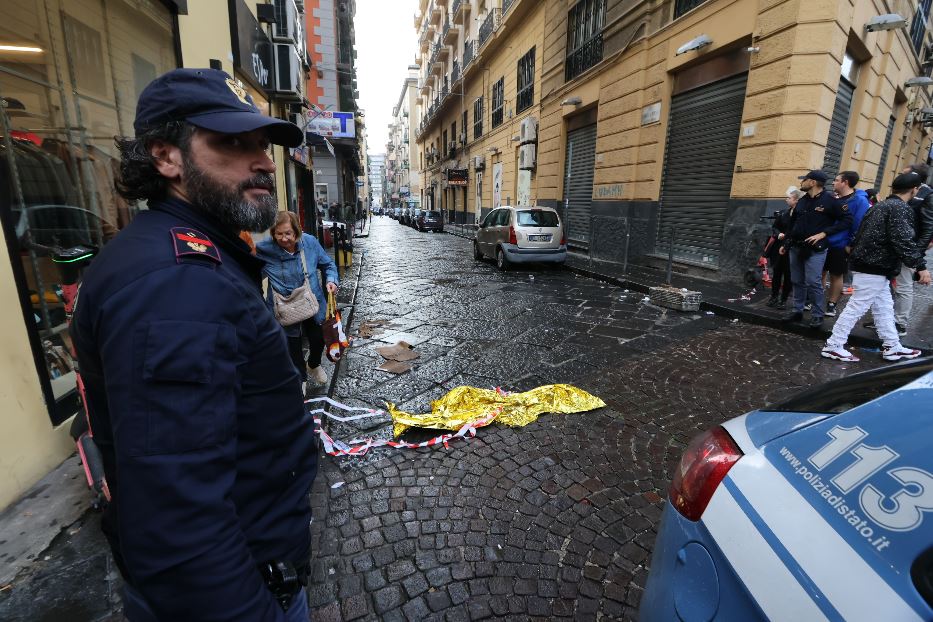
x=192, y=396
x=840, y=243
x=818, y=216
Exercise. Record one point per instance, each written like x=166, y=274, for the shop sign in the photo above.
x=333, y=124
x=300, y=155
x=252, y=50
x=457, y=177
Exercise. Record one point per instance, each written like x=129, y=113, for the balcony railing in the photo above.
x=684, y=6
x=469, y=50
x=489, y=26
x=506, y=5
x=445, y=88
x=584, y=57
x=455, y=72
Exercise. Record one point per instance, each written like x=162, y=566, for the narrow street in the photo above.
x=556, y=519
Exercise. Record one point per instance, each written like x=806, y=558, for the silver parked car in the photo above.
x=521, y=235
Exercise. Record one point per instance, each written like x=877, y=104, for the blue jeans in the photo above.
x=298, y=611
x=806, y=273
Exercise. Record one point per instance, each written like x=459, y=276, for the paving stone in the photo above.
x=387, y=598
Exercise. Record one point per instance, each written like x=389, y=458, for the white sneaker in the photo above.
x=899, y=354
x=317, y=375
x=838, y=354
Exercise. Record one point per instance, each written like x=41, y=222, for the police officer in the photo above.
x=818, y=215
x=192, y=396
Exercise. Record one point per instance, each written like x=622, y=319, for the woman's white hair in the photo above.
x=794, y=191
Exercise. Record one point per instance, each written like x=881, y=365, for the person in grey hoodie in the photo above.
x=884, y=242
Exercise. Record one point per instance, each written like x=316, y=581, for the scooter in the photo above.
x=71, y=263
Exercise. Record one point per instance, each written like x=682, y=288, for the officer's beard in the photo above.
x=230, y=205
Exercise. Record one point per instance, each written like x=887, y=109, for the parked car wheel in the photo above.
x=477, y=254
x=501, y=261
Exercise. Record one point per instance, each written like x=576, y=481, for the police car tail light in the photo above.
x=512, y=238
x=703, y=466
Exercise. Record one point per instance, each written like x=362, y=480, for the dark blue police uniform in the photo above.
x=197, y=408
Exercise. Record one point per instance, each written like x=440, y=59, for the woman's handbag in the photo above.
x=335, y=339
x=298, y=306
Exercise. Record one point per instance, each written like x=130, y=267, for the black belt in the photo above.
x=285, y=580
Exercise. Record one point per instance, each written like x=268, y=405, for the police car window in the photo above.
x=537, y=218
x=843, y=395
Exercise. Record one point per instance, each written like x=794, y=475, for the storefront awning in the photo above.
x=316, y=140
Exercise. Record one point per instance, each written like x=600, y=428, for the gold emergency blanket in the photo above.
x=469, y=404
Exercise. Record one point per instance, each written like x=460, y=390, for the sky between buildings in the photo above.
x=386, y=44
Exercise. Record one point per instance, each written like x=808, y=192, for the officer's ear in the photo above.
x=167, y=159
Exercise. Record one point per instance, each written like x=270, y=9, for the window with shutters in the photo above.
x=918, y=25
x=584, y=37
x=839, y=125
x=498, y=102
x=879, y=178
x=525, y=97
x=478, y=117
x=685, y=6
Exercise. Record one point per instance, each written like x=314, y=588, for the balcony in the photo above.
x=489, y=26
x=445, y=87
x=451, y=34
x=506, y=5
x=424, y=42
x=436, y=16
x=584, y=57
x=425, y=88
x=418, y=17
x=443, y=3
x=469, y=52
x=461, y=11
x=455, y=72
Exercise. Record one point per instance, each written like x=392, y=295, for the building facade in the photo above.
x=376, y=179
x=480, y=94
x=70, y=76
x=333, y=117
x=403, y=182
x=665, y=123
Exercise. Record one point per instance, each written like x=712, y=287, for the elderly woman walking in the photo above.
x=292, y=258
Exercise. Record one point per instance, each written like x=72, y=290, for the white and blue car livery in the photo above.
x=826, y=512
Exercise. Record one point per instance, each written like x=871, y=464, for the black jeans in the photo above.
x=780, y=280
x=311, y=331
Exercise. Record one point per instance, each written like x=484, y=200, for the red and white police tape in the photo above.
x=359, y=447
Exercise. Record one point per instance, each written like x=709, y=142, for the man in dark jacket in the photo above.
x=884, y=242
x=818, y=216
x=193, y=398
x=922, y=206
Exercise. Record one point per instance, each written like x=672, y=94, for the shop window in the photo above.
x=498, y=102
x=584, y=37
x=525, y=97
x=478, y=118
x=58, y=161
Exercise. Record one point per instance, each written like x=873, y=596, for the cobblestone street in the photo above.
x=555, y=519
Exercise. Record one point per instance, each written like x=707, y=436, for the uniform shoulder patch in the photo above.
x=190, y=242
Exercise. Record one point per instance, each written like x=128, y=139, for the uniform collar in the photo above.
x=229, y=242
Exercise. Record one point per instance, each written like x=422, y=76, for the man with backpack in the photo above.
x=884, y=242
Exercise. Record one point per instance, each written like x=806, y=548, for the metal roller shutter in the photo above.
x=838, y=127
x=579, y=162
x=702, y=139
x=879, y=178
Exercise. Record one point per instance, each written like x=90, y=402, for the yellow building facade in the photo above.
x=480, y=80
x=70, y=76
x=667, y=123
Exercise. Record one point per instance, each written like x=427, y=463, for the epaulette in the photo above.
x=193, y=243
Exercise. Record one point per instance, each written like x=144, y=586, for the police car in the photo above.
x=820, y=508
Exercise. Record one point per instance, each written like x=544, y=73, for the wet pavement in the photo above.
x=556, y=519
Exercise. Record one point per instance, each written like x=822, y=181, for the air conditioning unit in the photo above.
x=479, y=162
x=288, y=73
x=526, y=157
x=529, y=131
x=286, y=27
x=463, y=138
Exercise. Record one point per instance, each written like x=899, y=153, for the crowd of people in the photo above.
x=825, y=235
